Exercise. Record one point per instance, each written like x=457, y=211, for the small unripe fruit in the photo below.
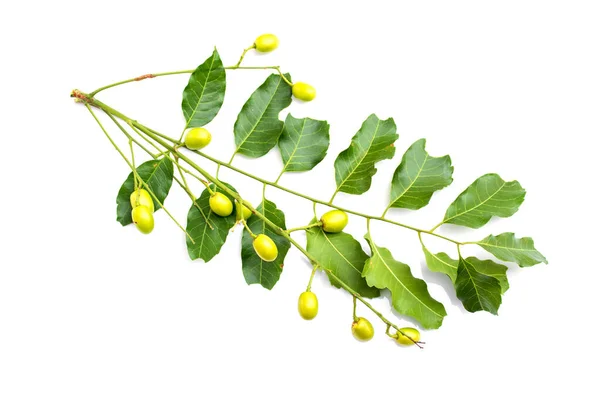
x=308, y=305
x=412, y=333
x=266, y=43
x=220, y=204
x=334, y=221
x=197, y=138
x=265, y=247
x=362, y=329
x=303, y=91
x=241, y=211
x=141, y=197
x=143, y=219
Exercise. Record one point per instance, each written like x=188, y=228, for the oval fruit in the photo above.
x=241, y=211
x=220, y=204
x=308, y=305
x=334, y=221
x=266, y=43
x=141, y=197
x=362, y=329
x=265, y=247
x=197, y=138
x=303, y=91
x=143, y=219
x=412, y=333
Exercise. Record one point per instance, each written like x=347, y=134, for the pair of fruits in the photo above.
x=263, y=245
x=142, y=210
x=269, y=42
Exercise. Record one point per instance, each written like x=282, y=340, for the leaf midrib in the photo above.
x=413, y=182
x=203, y=89
x=477, y=206
x=337, y=251
x=261, y=115
x=296, y=146
x=363, y=157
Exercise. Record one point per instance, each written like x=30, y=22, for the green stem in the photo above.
x=185, y=71
x=133, y=169
x=252, y=234
x=264, y=181
x=386, y=210
x=435, y=227
x=304, y=228
x=312, y=275
x=354, y=318
x=244, y=54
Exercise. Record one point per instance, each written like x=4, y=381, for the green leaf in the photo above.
x=258, y=127
x=476, y=290
x=441, y=262
x=204, y=94
x=255, y=269
x=507, y=247
x=303, y=143
x=409, y=294
x=341, y=255
x=418, y=176
x=355, y=166
x=208, y=230
x=489, y=196
x=158, y=175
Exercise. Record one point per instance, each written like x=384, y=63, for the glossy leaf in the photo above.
x=204, y=94
x=158, y=175
x=208, y=230
x=489, y=196
x=418, y=176
x=303, y=143
x=409, y=294
x=255, y=269
x=507, y=247
x=341, y=255
x=355, y=166
x=476, y=290
x=258, y=127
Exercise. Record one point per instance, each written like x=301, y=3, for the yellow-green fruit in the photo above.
x=143, y=219
x=197, y=138
x=265, y=247
x=220, y=204
x=141, y=197
x=303, y=91
x=242, y=212
x=362, y=329
x=265, y=43
x=308, y=305
x=412, y=333
x=334, y=221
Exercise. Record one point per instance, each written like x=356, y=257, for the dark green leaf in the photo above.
x=476, y=290
x=208, y=230
x=255, y=269
x=409, y=294
x=355, y=166
x=258, y=127
x=441, y=262
x=341, y=255
x=158, y=175
x=507, y=247
x=489, y=196
x=204, y=94
x=303, y=143
x=418, y=176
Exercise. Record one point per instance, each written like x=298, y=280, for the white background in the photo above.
x=91, y=310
